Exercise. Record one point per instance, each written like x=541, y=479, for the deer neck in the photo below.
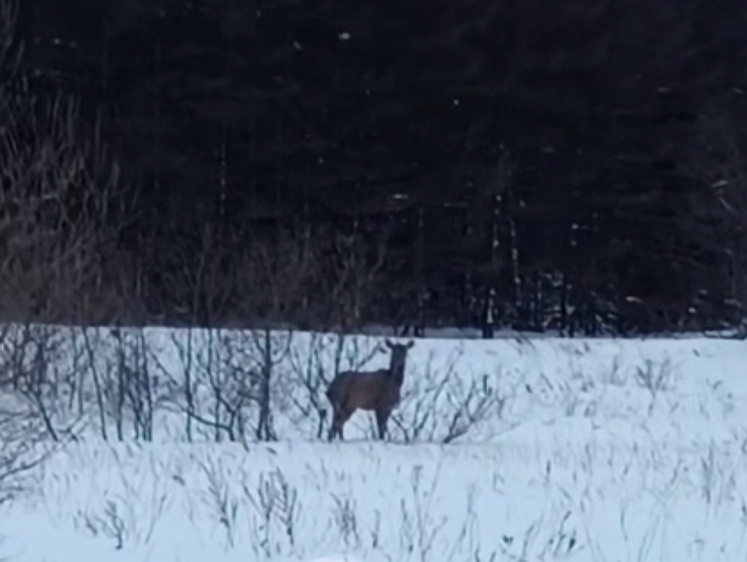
x=397, y=373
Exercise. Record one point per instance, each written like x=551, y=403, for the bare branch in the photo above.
x=55, y=223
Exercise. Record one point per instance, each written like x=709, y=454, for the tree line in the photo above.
x=575, y=166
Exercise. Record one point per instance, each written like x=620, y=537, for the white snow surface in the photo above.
x=567, y=449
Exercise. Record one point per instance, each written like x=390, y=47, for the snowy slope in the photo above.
x=574, y=450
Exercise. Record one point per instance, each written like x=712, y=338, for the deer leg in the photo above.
x=333, y=428
x=382, y=416
x=338, y=421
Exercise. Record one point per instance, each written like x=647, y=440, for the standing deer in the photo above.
x=377, y=391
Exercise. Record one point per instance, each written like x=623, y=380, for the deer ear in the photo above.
x=389, y=344
x=410, y=344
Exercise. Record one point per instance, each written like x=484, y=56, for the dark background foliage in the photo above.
x=534, y=164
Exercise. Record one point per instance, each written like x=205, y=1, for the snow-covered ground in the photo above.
x=511, y=449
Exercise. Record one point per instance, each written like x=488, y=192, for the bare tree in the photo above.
x=61, y=209
x=57, y=217
x=203, y=277
x=24, y=447
x=357, y=277
x=233, y=371
x=275, y=277
x=56, y=228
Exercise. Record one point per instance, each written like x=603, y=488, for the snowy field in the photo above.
x=510, y=449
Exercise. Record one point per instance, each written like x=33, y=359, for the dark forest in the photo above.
x=571, y=167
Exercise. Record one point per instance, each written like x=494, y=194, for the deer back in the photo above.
x=368, y=390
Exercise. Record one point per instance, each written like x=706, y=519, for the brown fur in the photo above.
x=376, y=391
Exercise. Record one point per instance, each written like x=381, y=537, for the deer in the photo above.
x=377, y=391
